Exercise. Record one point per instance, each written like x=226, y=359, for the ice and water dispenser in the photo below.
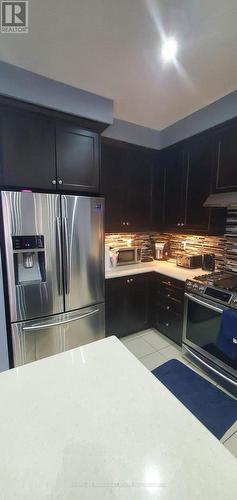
x=29, y=259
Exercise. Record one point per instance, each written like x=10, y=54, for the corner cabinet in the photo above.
x=127, y=304
x=77, y=156
x=27, y=150
x=126, y=180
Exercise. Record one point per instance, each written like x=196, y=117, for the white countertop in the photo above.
x=94, y=423
x=164, y=267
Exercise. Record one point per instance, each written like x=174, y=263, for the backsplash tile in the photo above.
x=194, y=244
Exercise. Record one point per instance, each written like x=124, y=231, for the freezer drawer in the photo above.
x=33, y=340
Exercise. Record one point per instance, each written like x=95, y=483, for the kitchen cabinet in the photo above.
x=189, y=172
x=127, y=304
x=167, y=306
x=199, y=156
x=158, y=178
x=77, y=154
x=226, y=159
x=174, y=187
x=27, y=150
x=40, y=151
x=126, y=172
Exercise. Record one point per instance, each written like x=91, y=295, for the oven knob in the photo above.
x=189, y=284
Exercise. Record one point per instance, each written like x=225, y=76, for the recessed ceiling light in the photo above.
x=169, y=49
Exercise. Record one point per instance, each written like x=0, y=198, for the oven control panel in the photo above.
x=217, y=294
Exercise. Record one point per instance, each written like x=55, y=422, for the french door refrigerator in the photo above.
x=54, y=253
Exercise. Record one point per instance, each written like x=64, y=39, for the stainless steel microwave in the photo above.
x=128, y=255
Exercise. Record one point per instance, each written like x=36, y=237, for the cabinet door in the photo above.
x=27, y=150
x=137, y=189
x=115, y=307
x=113, y=173
x=199, y=157
x=174, y=204
x=137, y=303
x=127, y=304
x=157, y=196
x=77, y=159
x=227, y=159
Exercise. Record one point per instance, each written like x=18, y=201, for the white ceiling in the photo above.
x=112, y=48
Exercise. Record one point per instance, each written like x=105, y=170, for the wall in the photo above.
x=22, y=84
x=135, y=134
x=218, y=112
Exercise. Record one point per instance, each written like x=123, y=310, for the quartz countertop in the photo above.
x=164, y=267
x=94, y=423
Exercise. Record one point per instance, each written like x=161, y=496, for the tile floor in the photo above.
x=153, y=349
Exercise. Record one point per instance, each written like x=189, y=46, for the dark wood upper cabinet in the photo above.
x=137, y=189
x=226, y=159
x=199, y=157
x=113, y=174
x=158, y=177
x=77, y=159
x=174, y=192
x=126, y=184
x=27, y=150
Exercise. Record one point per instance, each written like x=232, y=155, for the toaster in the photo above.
x=188, y=260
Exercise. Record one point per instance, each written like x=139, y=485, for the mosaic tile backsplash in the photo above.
x=194, y=244
x=224, y=247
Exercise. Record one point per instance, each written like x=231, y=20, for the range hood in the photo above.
x=221, y=200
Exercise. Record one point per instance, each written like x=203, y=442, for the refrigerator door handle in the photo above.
x=67, y=266
x=47, y=325
x=59, y=255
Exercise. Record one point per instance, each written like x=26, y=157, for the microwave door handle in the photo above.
x=58, y=323
x=204, y=303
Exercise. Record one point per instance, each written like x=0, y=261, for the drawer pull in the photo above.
x=167, y=308
x=168, y=295
x=167, y=324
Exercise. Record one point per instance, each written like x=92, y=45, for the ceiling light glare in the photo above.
x=169, y=49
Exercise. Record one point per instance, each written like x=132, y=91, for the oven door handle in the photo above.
x=204, y=303
x=209, y=367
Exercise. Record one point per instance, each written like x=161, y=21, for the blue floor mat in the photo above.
x=215, y=409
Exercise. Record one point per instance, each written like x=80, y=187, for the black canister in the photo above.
x=208, y=262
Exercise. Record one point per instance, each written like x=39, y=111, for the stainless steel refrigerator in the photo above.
x=54, y=249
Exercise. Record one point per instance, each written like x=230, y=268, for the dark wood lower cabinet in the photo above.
x=127, y=304
x=167, y=306
x=134, y=303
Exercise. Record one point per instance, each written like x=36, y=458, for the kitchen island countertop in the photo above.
x=94, y=423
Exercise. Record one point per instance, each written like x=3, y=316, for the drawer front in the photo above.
x=169, y=282
x=169, y=302
x=169, y=324
x=169, y=291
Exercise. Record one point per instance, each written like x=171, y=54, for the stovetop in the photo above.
x=219, y=287
x=222, y=279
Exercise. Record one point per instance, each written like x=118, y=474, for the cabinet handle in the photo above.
x=168, y=295
x=124, y=223
x=127, y=223
x=178, y=224
x=53, y=181
x=182, y=224
x=131, y=280
x=167, y=324
x=167, y=308
x=169, y=282
x=60, y=181
x=128, y=281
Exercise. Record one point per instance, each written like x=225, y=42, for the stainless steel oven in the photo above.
x=202, y=321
